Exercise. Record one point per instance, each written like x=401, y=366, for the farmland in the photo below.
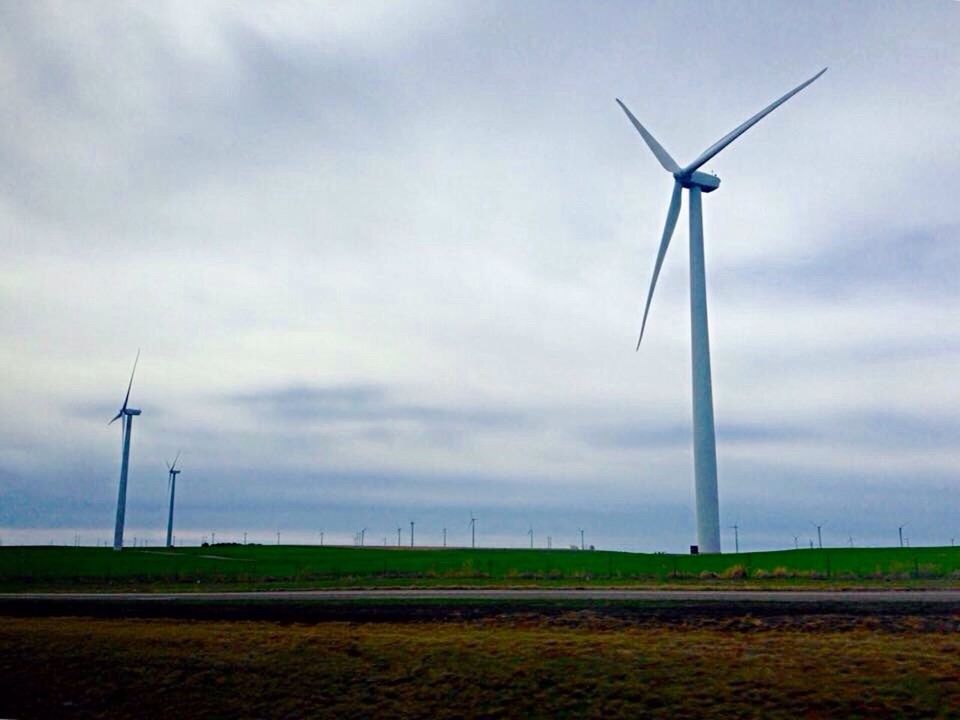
x=262, y=567
x=573, y=664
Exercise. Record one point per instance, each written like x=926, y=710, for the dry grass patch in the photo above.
x=575, y=666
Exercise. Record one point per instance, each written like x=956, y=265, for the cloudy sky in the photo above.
x=386, y=262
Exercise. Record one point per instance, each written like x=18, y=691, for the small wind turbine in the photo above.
x=796, y=542
x=127, y=414
x=399, y=530
x=736, y=537
x=900, y=530
x=530, y=533
x=444, y=537
x=583, y=545
x=411, y=533
x=696, y=182
x=363, y=536
x=172, y=488
x=473, y=531
x=819, y=536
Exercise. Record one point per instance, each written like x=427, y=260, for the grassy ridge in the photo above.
x=256, y=565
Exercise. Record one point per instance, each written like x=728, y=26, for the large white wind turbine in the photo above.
x=704, y=441
x=172, y=482
x=127, y=414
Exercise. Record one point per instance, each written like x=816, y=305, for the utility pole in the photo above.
x=411, y=533
x=736, y=537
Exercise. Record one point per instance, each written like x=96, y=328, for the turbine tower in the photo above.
x=126, y=427
x=172, y=483
x=696, y=182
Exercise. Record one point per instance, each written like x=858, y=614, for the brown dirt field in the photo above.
x=574, y=664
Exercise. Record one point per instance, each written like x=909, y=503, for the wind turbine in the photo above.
x=473, y=531
x=819, y=536
x=172, y=487
x=530, y=533
x=900, y=530
x=127, y=414
x=736, y=536
x=696, y=182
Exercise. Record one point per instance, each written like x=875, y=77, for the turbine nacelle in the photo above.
x=704, y=181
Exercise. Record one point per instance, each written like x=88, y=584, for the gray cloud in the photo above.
x=370, y=403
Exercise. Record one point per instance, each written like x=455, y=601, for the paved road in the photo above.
x=681, y=596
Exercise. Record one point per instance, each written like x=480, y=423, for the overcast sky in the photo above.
x=386, y=262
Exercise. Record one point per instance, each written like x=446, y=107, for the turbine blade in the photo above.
x=672, y=214
x=116, y=417
x=734, y=134
x=167, y=463
x=668, y=163
x=130, y=385
x=175, y=460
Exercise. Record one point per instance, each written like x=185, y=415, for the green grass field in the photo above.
x=254, y=566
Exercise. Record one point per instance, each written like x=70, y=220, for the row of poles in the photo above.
x=359, y=537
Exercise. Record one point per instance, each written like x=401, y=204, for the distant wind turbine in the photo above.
x=530, y=533
x=736, y=537
x=473, y=531
x=127, y=414
x=411, y=533
x=900, y=530
x=696, y=182
x=819, y=536
x=172, y=488
x=399, y=530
